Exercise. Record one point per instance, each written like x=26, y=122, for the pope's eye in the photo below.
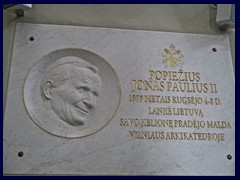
x=84, y=88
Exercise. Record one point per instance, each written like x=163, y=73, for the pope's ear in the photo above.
x=47, y=89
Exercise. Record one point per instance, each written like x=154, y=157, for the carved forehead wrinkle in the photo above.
x=86, y=75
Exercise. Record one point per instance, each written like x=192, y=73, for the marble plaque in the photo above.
x=101, y=101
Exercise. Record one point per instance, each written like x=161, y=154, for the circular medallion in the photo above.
x=72, y=93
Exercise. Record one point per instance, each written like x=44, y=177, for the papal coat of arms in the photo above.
x=173, y=57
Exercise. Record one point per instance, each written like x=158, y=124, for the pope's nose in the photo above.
x=88, y=103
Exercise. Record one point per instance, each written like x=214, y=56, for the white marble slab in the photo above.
x=114, y=128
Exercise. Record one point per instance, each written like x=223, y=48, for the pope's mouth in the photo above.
x=82, y=112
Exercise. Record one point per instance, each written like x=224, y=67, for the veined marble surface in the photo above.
x=128, y=61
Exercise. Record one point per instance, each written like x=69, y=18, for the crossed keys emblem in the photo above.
x=172, y=56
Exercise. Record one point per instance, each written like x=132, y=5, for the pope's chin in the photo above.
x=78, y=118
x=77, y=121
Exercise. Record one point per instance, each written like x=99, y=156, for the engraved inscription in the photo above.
x=181, y=107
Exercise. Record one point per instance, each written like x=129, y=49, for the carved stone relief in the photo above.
x=65, y=93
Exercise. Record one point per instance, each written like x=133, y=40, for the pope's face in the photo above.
x=75, y=100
